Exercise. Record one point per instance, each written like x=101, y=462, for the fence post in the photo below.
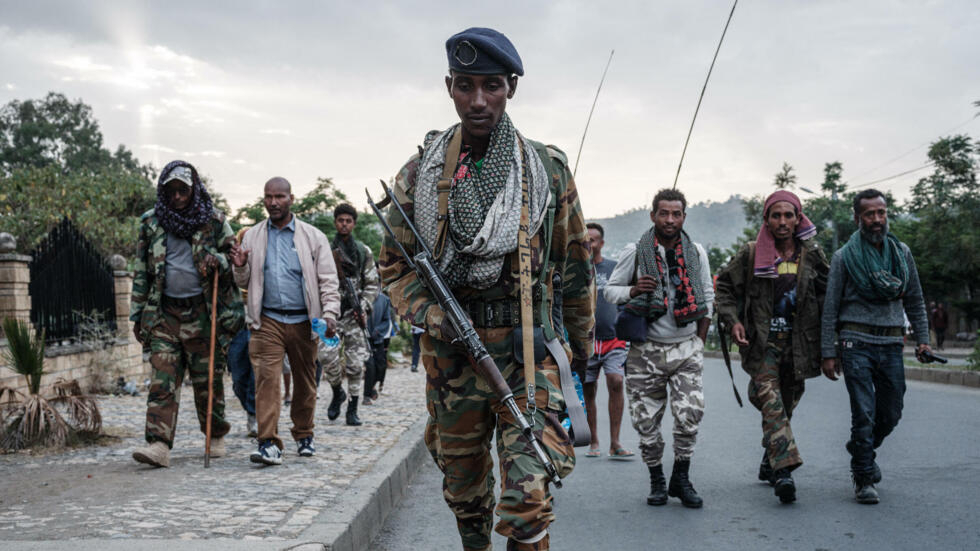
x=123, y=289
x=15, y=275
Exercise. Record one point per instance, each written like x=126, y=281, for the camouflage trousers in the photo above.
x=180, y=343
x=651, y=368
x=775, y=391
x=464, y=415
x=348, y=358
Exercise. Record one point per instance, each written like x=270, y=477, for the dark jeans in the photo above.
x=242, y=377
x=940, y=337
x=416, y=347
x=377, y=366
x=875, y=379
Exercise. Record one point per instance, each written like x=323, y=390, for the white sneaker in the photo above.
x=267, y=454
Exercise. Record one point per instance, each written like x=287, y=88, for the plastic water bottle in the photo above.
x=320, y=328
x=567, y=421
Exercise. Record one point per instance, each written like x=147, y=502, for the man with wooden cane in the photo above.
x=182, y=291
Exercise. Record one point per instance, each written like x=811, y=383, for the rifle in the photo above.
x=723, y=341
x=424, y=266
x=352, y=292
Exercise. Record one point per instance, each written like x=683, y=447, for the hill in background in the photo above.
x=710, y=223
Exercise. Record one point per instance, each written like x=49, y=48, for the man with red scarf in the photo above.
x=665, y=283
x=784, y=271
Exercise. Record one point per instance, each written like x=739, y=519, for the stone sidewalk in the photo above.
x=101, y=497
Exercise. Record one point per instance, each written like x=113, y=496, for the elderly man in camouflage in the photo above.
x=665, y=281
x=463, y=191
x=183, y=241
x=873, y=284
x=784, y=271
x=357, y=265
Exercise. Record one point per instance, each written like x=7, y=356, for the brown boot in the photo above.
x=156, y=454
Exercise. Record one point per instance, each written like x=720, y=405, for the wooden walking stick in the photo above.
x=207, y=422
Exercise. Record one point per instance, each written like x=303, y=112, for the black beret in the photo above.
x=482, y=51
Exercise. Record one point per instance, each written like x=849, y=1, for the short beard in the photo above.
x=873, y=237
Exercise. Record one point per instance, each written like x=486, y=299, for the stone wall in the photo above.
x=123, y=358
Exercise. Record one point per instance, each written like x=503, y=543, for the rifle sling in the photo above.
x=527, y=300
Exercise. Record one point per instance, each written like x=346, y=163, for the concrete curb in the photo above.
x=960, y=377
x=349, y=524
x=360, y=514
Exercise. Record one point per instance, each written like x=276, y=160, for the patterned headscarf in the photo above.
x=766, y=256
x=185, y=222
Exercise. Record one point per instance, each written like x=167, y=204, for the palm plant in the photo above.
x=34, y=420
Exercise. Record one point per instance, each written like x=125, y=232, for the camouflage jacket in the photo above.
x=570, y=258
x=741, y=297
x=367, y=283
x=215, y=238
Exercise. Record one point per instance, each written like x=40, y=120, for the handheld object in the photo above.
x=320, y=328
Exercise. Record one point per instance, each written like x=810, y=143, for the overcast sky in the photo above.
x=249, y=90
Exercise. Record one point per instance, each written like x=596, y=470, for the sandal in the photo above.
x=621, y=454
x=593, y=452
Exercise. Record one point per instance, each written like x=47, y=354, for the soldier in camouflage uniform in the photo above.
x=664, y=281
x=183, y=241
x=463, y=411
x=357, y=263
x=772, y=308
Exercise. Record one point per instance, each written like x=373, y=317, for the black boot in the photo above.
x=658, y=486
x=680, y=485
x=333, y=410
x=785, y=488
x=765, y=469
x=352, y=418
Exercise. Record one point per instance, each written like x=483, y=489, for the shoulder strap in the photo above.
x=443, y=186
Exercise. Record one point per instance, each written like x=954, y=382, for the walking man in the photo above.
x=609, y=355
x=358, y=266
x=380, y=325
x=784, y=271
x=940, y=321
x=183, y=242
x=872, y=283
x=288, y=269
x=464, y=194
x=665, y=279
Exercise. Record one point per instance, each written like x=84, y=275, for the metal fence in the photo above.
x=69, y=279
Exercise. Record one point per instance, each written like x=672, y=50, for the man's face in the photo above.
x=668, y=218
x=782, y=220
x=480, y=100
x=178, y=194
x=344, y=224
x=873, y=219
x=277, y=200
x=595, y=242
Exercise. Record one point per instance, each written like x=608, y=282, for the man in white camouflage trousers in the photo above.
x=664, y=281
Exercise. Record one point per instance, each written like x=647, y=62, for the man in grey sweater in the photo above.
x=872, y=283
x=665, y=280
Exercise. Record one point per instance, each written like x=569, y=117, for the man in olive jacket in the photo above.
x=770, y=296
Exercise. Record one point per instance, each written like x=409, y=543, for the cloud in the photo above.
x=157, y=148
x=276, y=131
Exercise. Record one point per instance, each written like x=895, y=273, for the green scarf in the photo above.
x=880, y=276
x=689, y=304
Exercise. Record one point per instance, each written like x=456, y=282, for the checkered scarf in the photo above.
x=484, y=209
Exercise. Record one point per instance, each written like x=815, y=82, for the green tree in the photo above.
x=831, y=212
x=941, y=228
x=785, y=177
x=53, y=164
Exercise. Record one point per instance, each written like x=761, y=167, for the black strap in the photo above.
x=728, y=359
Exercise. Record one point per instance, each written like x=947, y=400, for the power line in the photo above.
x=892, y=177
x=918, y=147
x=701, y=97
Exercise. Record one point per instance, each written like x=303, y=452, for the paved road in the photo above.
x=929, y=494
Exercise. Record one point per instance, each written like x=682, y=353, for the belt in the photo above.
x=498, y=313
x=875, y=330
x=301, y=312
x=183, y=302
